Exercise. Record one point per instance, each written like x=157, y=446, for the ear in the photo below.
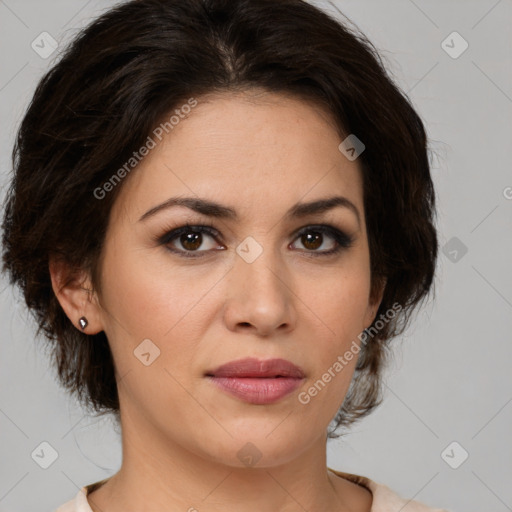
x=75, y=293
x=374, y=301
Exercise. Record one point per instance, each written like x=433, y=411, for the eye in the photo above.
x=189, y=239
x=192, y=241
x=314, y=237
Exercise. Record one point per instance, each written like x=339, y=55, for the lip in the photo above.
x=257, y=381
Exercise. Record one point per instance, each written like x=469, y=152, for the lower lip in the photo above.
x=258, y=391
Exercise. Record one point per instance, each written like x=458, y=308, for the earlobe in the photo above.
x=75, y=294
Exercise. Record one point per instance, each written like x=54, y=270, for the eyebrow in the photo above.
x=212, y=209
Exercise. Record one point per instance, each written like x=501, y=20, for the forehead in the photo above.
x=257, y=150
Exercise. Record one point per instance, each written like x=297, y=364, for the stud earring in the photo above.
x=83, y=323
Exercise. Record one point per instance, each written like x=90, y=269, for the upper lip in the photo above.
x=251, y=367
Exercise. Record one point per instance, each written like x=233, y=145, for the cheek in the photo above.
x=152, y=327
x=339, y=320
x=339, y=299
x=337, y=303
x=148, y=295
x=149, y=298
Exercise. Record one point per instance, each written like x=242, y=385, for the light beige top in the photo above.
x=384, y=499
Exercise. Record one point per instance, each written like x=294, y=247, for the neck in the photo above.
x=161, y=474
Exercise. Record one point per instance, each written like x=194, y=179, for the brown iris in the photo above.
x=191, y=241
x=312, y=240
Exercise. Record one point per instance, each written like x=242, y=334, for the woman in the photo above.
x=222, y=213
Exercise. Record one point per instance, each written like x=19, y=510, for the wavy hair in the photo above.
x=142, y=59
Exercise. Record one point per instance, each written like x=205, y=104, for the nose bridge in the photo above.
x=262, y=273
x=259, y=266
x=259, y=293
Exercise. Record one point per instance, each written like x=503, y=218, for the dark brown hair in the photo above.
x=142, y=59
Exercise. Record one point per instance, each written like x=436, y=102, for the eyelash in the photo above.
x=343, y=240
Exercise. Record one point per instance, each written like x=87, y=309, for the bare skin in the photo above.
x=258, y=154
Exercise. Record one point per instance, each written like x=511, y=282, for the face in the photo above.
x=256, y=275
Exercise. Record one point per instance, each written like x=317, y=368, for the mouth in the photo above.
x=257, y=382
x=251, y=367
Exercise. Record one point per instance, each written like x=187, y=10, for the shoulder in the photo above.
x=384, y=499
x=69, y=506
x=79, y=503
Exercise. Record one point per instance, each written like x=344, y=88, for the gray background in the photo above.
x=450, y=378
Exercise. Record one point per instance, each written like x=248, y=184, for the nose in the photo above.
x=260, y=296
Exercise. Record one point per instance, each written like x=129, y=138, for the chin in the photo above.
x=258, y=445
